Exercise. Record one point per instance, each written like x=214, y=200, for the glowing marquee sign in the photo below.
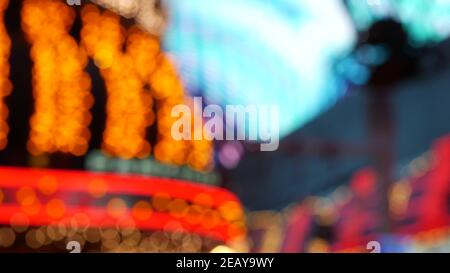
x=141, y=81
x=425, y=20
x=42, y=198
x=61, y=87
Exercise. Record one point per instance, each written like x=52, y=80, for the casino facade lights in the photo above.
x=417, y=202
x=5, y=84
x=43, y=209
x=117, y=213
x=61, y=88
x=142, y=86
x=141, y=75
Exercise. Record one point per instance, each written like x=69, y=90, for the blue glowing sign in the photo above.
x=262, y=52
x=425, y=20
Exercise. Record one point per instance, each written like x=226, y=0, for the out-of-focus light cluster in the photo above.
x=5, y=84
x=425, y=20
x=61, y=88
x=136, y=78
x=417, y=203
x=187, y=220
x=129, y=105
x=119, y=215
x=139, y=78
x=246, y=52
x=169, y=90
x=105, y=240
x=268, y=226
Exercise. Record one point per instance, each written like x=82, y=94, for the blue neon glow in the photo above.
x=262, y=52
x=426, y=20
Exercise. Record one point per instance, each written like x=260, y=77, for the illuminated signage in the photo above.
x=418, y=203
x=262, y=52
x=141, y=80
x=5, y=84
x=418, y=207
x=61, y=88
x=422, y=200
x=359, y=218
x=129, y=105
x=425, y=20
x=127, y=72
x=45, y=198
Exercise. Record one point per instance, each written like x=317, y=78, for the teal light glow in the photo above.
x=426, y=20
x=261, y=52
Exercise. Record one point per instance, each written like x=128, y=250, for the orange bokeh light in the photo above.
x=61, y=88
x=5, y=84
x=55, y=208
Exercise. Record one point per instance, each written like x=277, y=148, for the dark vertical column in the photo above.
x=382, y=149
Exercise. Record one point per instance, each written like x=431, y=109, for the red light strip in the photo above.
x=77, y=181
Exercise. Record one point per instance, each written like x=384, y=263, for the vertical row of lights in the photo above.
x=136, y=78
x=61, y=87
x=5, y=84
x=139, y=74
x=129, y=103
x=169, y=91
